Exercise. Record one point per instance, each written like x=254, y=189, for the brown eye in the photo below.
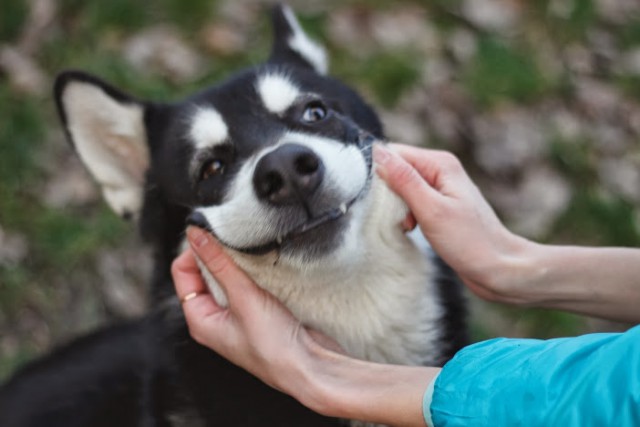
x=314, y=112
x=211, y=168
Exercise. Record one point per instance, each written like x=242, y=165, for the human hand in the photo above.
x=454, y=216
x=255, y=331
x=259, y=334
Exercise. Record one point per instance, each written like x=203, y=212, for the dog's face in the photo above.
x=275, y=160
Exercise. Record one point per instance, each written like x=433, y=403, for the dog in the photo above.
x=276, y=162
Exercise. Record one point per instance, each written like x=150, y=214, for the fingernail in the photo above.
x=381, y=154
x=197, y=236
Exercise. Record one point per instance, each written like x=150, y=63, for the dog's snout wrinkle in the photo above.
x=288, y=175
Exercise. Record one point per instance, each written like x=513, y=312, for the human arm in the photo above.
x=260, y=335
x=590, y=380
x=496, y=264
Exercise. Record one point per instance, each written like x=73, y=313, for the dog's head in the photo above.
x=275, y=160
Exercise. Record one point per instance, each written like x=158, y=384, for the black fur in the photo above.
x=149, y=372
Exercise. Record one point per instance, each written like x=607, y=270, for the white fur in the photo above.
x=376, y=299
x=242, y=220
x=208, y=128
x=345, y=168
x=111, y=141
x=374, y=293
x=299, y=42
x=277, y=92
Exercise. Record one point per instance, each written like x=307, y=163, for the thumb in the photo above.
x=404, y=180
x=235, y=282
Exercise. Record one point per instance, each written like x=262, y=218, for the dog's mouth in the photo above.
x=198, y=219
x=365, y=144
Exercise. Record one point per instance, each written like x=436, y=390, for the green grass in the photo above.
x=629, y=84
x=581, y=17
x=21, y=135
x=93, y=17
x=9, y=363
x=595, y=218
x=12, y=18
x=190, y=15
x=89, y=36
x=13, y=279
x=388, y=75
x=533, y=323
x=67, y=238
x=630, y=34
x=576, y=159
x=57, y=234
x=500, y=72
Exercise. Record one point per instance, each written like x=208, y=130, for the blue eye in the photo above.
x=314, y=112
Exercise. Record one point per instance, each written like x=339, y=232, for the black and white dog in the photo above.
x=276, y=162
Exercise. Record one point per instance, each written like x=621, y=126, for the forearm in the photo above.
x=603, y=282
x=343, y=387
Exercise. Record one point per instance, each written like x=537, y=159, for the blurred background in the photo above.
x=539, y=98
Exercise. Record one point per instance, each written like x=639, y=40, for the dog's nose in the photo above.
x=288, y=175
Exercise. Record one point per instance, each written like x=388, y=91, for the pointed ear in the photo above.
x=292, y=45
x=107, y=130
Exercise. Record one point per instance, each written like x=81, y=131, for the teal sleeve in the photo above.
x=591, y=380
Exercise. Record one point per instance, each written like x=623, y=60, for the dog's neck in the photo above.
x=372, y=295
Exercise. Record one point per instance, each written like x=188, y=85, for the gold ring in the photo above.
x=190, y=296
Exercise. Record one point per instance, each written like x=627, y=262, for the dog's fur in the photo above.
x=276, y=162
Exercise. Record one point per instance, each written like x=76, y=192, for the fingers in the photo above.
x=432, y=165
x=191, y=289
x=186, y=276
x=403, y=178
x=235, y=282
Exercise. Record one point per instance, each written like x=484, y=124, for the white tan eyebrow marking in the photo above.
x=208, y=128
x=277, y=92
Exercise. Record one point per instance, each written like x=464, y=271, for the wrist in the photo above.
x=344, y=387
x=516, y=267
x=314, y=384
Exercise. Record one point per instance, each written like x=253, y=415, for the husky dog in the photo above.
x=276, y=163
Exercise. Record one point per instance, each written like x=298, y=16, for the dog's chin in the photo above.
x=317, y=241
x=309, y=240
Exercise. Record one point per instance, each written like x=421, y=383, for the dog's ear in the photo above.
x=107, y=130
x=292, y=45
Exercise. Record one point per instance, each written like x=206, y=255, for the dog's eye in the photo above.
x=211, y=168
x=314, y=112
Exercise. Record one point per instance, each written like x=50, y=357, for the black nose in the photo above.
x=289, y=174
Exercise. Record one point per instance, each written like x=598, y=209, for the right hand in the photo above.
x=454, y=216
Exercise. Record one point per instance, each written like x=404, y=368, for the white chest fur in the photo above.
x=375, y=295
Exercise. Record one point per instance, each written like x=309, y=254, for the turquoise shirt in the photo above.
x=591, y=380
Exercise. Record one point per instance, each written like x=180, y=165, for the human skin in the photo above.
x=259, y=334
x=496, y=264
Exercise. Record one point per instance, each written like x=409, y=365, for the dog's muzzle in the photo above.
x=290, y=175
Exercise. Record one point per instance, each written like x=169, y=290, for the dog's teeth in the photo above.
x=343, y=208
x=279, y=240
